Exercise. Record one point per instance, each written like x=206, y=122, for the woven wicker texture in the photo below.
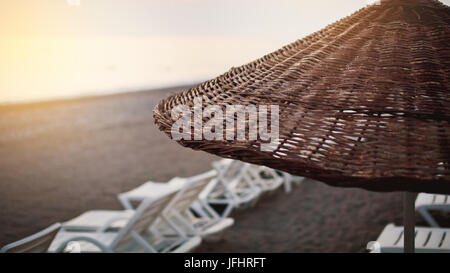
x=364, y=102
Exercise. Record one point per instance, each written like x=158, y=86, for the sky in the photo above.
x=60, y=48
x=171, y=17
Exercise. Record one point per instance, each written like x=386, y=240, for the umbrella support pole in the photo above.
x=408, y=221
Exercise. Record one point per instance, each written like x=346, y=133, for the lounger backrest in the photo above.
x=35, y=243
x=191, y=190
x=146, y=214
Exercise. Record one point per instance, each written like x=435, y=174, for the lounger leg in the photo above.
x=408, y=222
x=198, y=208
x=287, y=182
x=227, y=211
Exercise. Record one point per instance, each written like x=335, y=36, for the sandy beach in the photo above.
x=59, y=159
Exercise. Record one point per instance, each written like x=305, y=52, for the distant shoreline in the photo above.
x=93, y=96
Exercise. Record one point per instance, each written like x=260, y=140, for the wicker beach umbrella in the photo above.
x=364, y=102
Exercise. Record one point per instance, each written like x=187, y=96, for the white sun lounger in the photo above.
x=266, y=178
x=180, y=204
x=426, y=202
x=36, y=243
x=206, y=223
x=233, y=187
x=179, y=212
x=134, y=236
x=426, y=240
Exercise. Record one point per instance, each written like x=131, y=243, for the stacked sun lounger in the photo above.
x=427, y=239
x=163, y=217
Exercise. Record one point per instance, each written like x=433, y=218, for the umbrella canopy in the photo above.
x=363, y=102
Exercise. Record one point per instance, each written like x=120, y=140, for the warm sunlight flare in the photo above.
x=56, y=49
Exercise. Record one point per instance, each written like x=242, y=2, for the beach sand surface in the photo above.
x=59, y=159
